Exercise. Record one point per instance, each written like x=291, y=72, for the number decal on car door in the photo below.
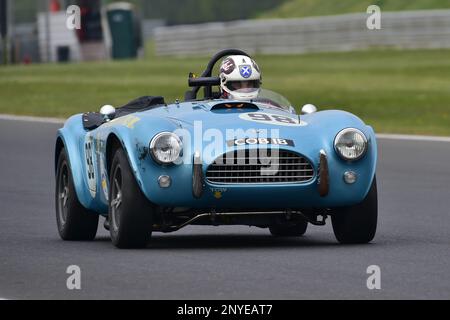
x=90, y=168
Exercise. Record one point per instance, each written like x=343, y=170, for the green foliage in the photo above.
x=304, y=8
x=173, y=11
x=197, y=11
x=25, y=10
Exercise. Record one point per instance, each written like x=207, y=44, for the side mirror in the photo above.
x=308, y=109
x=108, y=112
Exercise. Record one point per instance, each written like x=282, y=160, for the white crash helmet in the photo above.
x=240, y=78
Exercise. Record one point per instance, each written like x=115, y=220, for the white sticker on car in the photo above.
x=90, y=168
x=273, y=119
x=104, y=176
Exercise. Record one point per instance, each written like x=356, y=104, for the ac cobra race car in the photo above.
x=150, y=167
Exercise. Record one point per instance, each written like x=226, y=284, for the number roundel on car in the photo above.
x=90, y=167
x=273, y=119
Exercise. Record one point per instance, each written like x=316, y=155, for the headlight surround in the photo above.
x=350, y=144
x=166, y=148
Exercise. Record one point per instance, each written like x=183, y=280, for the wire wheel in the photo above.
x=116, y=199
x=63, y=193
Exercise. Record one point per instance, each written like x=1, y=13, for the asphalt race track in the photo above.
x=411, y=247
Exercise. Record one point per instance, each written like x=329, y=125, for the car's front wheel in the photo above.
x=130, y=212
x=357, y=224
x=73, y=220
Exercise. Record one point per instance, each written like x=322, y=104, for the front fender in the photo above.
x=135, y=140
x=326, y=125
x=72, y=135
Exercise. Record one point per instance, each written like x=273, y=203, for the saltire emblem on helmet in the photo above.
x=228, y=66
x=246, y=71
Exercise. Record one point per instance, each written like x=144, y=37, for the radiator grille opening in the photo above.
x=252, y=166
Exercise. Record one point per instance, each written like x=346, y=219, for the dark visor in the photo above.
x=248, y=84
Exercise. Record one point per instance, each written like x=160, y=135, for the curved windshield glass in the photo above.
x=273, y=99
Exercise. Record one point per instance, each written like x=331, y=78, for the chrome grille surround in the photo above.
x=260, y=166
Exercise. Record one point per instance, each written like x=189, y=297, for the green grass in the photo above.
x=306, y=8
x=395, y=91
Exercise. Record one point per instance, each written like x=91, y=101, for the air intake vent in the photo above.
x=235, y=105
x=260, y=166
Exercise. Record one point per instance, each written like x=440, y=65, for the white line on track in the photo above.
x=379, y=136
x=412, y=137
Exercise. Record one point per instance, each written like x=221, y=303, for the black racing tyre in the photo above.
x=75, y=223
x=357, y=224
x=289, y=230
x=130, y=212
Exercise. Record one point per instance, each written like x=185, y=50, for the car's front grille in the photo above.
x=267, y=166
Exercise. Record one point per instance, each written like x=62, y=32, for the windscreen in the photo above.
x=273, y=99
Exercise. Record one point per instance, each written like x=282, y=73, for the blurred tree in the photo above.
x=25, y=11
x=198, y=11
x=173, y=11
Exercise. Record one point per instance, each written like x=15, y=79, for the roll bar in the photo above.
x=206, y=80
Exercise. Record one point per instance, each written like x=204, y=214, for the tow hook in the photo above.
x=214, y=217
x=314, y=218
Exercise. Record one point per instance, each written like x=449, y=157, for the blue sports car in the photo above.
x=150, y=166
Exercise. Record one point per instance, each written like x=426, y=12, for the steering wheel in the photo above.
x=206, y=80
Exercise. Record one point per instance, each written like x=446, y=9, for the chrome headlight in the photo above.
x=166, y=148
x=350, y=144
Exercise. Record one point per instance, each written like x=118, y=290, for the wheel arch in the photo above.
x=135, y=140
x=68, y=138
x=58, y=148
x=113, y=142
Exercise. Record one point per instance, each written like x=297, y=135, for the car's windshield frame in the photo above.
x=273, y=98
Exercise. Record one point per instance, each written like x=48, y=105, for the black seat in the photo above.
x=92, y=120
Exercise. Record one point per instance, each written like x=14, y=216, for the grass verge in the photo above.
x=394, y=91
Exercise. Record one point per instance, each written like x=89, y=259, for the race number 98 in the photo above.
x=271, y=119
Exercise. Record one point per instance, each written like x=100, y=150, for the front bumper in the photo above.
x=328, y=189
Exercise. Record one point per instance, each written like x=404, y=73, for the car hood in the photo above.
x=312, y=132
x=213, y=115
